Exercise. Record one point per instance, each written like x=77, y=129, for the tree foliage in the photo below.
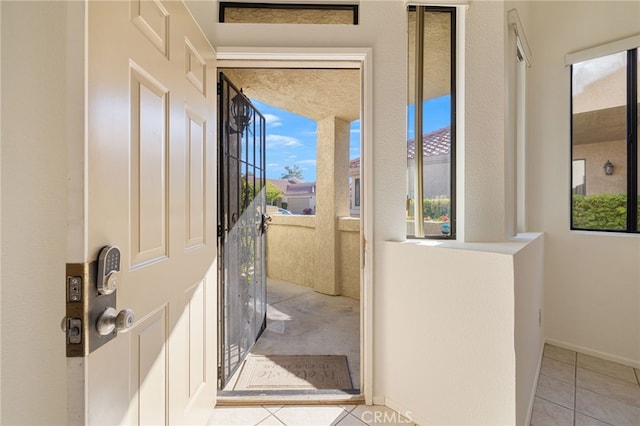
x=249, y=192
x=273, y=193
x=292, y=172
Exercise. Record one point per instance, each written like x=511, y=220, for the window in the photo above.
x=431, y=123
x=604, y=173
x=356, y=190
x=287, y=13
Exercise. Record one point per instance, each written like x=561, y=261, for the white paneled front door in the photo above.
x=149, y=187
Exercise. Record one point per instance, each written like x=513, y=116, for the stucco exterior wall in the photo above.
x=290, y=248
x=291, y=241
x=349, y=257
x=596, y=154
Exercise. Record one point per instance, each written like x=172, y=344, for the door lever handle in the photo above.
x=264, y=222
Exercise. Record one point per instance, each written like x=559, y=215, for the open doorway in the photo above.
x=313, y=256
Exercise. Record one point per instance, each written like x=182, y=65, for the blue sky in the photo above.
x=291, y=138
x=437, y=114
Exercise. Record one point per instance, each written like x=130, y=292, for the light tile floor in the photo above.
x=343, y=415
x=573, y=389
x=579, y=390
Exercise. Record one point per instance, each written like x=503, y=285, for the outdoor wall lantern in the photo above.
x=240, y=111
x=608, y=168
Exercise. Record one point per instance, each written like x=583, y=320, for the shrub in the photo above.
x=600, y=211
x=437, y=209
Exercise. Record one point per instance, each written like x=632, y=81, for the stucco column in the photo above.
x=332, y=200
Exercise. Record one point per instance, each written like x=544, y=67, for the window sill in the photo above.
x=604, y=233
x=505, y=247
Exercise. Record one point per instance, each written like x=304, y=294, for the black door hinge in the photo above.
x=219, y=86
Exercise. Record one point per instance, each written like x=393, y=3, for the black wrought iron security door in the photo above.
x=241, y=227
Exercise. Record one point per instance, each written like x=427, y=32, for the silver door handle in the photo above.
x=111, y=320
x=264, y=222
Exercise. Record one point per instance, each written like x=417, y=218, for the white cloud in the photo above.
x=355, y=130
x=272, y=120
x=310, y=162
x=282, y=141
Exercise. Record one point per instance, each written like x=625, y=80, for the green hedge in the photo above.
x=433, y=208
x=601, y=211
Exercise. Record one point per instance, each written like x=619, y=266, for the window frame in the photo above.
x=632, y=122
x=223, y=5
x=419, y=157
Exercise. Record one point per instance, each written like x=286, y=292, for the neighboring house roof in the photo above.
x=303, y=188
x=281, y=184
x=294, y=186
x=435, y=143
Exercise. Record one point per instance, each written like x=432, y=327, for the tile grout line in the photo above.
x=608, y=375
x=591, y=369
x=553, y=402
x=265, y=418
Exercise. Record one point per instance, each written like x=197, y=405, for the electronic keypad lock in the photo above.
x=108, y=269
x=91, y=318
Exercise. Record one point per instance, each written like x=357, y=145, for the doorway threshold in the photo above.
x=288, y=397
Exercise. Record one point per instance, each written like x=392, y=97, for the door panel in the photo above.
x=242, y=214
x=151, y=190
x=149, y=174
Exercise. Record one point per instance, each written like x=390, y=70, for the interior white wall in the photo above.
x=592, y=281
x=34, y=135
x=485, y=146
x=483, y=156
x=454, y=308
x=0, y=210
x=592, y=294
x=528, y=270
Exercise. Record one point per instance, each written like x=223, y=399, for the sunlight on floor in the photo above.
x=303, y=322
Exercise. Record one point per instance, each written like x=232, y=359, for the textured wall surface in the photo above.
x=349, y=257
x=290, y=16
x=290, y=247
x=592, y=280
x=34, y=138
x=291, y=241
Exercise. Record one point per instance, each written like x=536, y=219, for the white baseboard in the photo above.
x=598, y=354
x=379, y=400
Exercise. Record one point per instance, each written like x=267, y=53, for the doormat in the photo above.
x=275, y=372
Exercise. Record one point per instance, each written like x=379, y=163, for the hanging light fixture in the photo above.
x=241, y=112
x=608, y=168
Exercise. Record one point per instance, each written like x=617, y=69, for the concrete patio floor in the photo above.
x=303, y=322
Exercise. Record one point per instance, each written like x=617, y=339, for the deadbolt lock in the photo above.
x=91, y=291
